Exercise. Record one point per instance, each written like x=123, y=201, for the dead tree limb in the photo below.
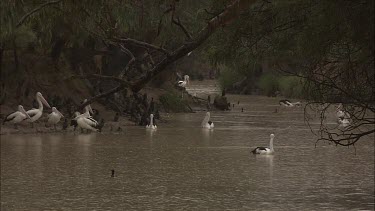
x=231, y=12
x=131, y=61
x=142, y=44
x=183, y=28
x=105, y=94
x=103, y=77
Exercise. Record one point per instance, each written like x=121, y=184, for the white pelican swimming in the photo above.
x=17, y=116
x=151, y=125
x=184, y=82
x=54, y=117
x=206, y=123
x=265, y=150
x=36, y=113
x=340, y=113
x=343, y=117
x=287, y=103
x=343, y=122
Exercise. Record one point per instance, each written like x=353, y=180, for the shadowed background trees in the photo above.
x=317, y=50
x=320, y=51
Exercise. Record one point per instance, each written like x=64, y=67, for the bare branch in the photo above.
x=131, y=61
x=35, y=10
x=142, y=44
x=105, y=94
x=103, y=77
x=231, y=12
x=178, y=23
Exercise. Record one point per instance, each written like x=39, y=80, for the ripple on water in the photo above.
x=181, y=166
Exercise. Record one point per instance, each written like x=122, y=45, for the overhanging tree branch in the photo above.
x=183, y=28
x=142, y=44
x=230, y=13
x=35, y=10
x=131, y=61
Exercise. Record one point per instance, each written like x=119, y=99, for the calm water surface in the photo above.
x=184, y=167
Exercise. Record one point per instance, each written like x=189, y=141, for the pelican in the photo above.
x=36, y=113
x=343, y=121
x=88, y=110
x=287, y=103
x=341, y=114
x=265, y=150
x=152, y=125
x=85, y=122
x=187, y=79
x=184, y=82
x=17, y=116
x=206, y=123
x=54, y=117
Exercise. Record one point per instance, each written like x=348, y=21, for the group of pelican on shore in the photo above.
x=31, y=115
x=84, y=121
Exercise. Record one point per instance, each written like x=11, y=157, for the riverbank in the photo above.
x=184, y=98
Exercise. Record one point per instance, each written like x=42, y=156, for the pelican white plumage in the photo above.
x=343, y=117
x=17, y=116
x=343, y=122
x=340, y=113
x=85, y=122
x=54, y=117
x=184, y=82
x=187, y=79
x=152, y=124
x=287, y=103
x=88, y=110
x=206, y=123
x=36, y=113
x=265, y=150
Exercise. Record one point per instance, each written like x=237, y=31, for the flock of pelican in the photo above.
x=86, y=121
x=83, y=121
x=31, y=115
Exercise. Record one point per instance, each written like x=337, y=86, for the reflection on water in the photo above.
x=183, y=166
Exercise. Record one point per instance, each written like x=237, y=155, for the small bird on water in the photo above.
x=113, y=173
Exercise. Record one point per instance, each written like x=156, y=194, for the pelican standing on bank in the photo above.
x=36, y=113
x=85, y=122
x=54, y=117
x=206, y=123
x=152, y=124
x=265, y=150
x=17, y=116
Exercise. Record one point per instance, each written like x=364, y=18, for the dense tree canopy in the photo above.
x=328, y=44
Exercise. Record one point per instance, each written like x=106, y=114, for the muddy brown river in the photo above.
x=184, y=167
